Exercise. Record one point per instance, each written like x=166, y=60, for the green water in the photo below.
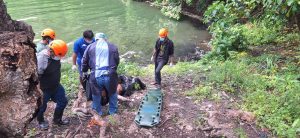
x=132, y=26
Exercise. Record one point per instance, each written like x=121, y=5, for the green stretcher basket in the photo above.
x=150, y=109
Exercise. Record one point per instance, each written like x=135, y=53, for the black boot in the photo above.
x=57, y=119
x=42, y=123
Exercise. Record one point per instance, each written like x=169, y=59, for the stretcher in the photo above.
x=150, y=109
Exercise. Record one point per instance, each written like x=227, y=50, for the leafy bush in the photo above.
x=235, y=25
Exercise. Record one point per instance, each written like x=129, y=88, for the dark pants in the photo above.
x=59, y=97
x=158, y=66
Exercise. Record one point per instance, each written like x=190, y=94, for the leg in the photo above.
x=40, y=116
x=158, y=67
x=96, y=105
x=113, y=98
x=113, y=104
x=61, y=103
x=43, y=107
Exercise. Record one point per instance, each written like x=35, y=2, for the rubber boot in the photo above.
x=57, y=119
x=42, y=123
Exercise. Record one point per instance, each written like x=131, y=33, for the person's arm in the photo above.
x=42, y=62
x=85, y=60
x=74, y=58
x=171, y=54
x=154, y=52
x=74, y=55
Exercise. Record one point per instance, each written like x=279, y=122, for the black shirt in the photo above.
x=164, y=49
x=50, y=79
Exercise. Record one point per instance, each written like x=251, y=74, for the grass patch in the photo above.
x=69, y=79
x=267, y=85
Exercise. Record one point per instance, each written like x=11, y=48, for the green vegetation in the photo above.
x=173, y=8
x=69, y=79
x=133, y=69
x=267, y=85
x=236, y=25
x=255, y=56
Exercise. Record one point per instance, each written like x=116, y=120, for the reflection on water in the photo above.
x=132, y=26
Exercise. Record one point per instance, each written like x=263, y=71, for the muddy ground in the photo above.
x=181, y=117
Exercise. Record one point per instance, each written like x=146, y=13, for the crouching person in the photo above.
x=49, y=76
x=102, y=58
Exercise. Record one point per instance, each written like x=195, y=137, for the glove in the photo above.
x=74, y=67
x=171, y=64
x=152, y=59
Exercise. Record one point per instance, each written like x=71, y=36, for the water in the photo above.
x=132, y=26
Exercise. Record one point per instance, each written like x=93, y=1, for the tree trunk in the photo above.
x=19, y=94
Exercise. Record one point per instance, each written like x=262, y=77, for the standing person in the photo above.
x=102, y=58
x=48, y=35
x=163, y=51
x=78, y=50
x=49, y=66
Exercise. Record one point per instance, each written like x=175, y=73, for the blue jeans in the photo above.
x=104, y=84
x=59, y=97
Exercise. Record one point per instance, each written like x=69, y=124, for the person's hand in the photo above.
x=74, y=67
x=152, y=59
x=171, y=64
x=85, y=75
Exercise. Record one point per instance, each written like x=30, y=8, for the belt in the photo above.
x=103, y=68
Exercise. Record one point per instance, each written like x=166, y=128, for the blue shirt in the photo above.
x=79, y=47
x=102, y=56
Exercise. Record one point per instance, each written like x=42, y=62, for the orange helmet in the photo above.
x=59, y=48
x=163, y=32
x=48, y=32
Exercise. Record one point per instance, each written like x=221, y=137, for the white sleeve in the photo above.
x=42, y=62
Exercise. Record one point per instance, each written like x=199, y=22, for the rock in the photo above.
x=81, y=136
x=247, y=116
x=19, y=95
x=189, y=128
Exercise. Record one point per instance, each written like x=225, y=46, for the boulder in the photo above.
x=19, y=94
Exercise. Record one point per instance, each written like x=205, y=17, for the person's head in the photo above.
x=101, y=36
x=88, y=36
x=163, y=33
x=58, y=48
x=48, y=35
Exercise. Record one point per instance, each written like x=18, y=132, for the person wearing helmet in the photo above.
x=48, y=35
x=48, y=62
x=162, y=53
x=102, y=58
x=78, y=50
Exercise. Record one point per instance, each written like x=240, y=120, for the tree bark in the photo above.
x=19, y=94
